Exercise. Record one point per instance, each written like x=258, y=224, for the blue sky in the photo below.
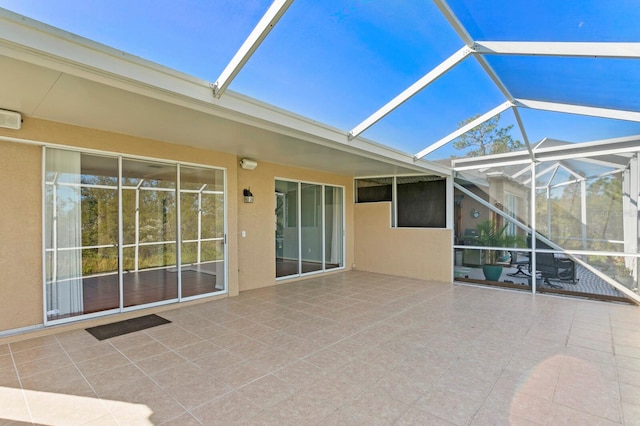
x=338, y=61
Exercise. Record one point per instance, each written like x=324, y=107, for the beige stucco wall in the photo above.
x=256, y=251
x=251, y=259
x=409, y=252
x=20, y=236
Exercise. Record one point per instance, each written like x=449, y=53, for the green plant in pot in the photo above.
x=489, y=235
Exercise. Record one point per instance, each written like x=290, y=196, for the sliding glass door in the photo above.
x=333, y=227
x=81, y=234
x=149, y=217
x=112, y=227
x=202, y=231
x=309, y=228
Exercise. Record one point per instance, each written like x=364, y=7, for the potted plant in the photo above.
x=489, y=235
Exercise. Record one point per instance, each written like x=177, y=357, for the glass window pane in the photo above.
x=81, y=233
x=202, y=216
x=152, y=255
x=311, y=237
x=334, y=226
x=286, y=233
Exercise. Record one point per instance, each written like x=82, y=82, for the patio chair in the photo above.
x=520, y=263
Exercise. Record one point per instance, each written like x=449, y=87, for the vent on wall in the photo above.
x=10, y=119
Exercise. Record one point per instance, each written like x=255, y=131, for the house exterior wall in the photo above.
x=256, y=254
x=251, y=260
x=423, y=253
x=20, y=235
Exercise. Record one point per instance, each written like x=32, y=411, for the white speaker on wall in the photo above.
x=10, y=119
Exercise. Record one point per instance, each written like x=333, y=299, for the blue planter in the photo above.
x=492, y=272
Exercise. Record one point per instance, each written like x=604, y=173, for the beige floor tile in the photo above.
x=6, y=361
x=161, y=362
x=490, y=417
x=299, y=374
x=43, y=365
x=343, y=349
x=267, y=391
x=14, y=406
x=57, y=408
x=631, y=413
x=198, y=391
x=185, y=419
x=130, y=340
x=75, y=340
x=181, y=373
x=38, y=353
x=178, y=338
x=328, y=359
x=158, y=406
x=229, y=409
x=118, y=378
x=217, y=360
x=197, y=350
x=33, y=343
x=240, y=374
x=562, y=415
x=449, y=405
x=414, y=417
x=101, y=364
x=375, y=408
x=91, y=352
x=148, y=350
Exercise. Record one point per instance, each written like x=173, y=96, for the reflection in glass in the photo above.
x=150, y=211
x=333, y=231
x=202, y=230
x=81, y=233
x=286, y=216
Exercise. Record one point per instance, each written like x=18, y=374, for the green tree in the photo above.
x=487, y=138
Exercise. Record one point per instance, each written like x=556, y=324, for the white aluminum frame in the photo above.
x=119, y=156
x=299, y=222
x=257, y=36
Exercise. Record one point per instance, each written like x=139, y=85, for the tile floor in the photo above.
x=348, y=349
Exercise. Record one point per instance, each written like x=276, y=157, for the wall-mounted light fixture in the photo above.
x=10, y=119
x=475, y=213
x=248, y=196
x=247, y=164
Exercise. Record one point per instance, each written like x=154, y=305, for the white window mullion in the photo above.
x=121, y=238
x=179, y=234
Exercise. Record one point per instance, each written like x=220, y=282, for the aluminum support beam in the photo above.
x=616, y=114
x=412, y=90
x=257, y=36
x=464, y=129
x=590, y=50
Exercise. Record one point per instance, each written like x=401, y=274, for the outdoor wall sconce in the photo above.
x=248, y=196
x=475, y=213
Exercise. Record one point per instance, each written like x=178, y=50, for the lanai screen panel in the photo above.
x=549, y=20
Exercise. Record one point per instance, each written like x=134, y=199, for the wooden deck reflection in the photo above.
x=143, y=287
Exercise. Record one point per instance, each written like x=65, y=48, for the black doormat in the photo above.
x=119, y=328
